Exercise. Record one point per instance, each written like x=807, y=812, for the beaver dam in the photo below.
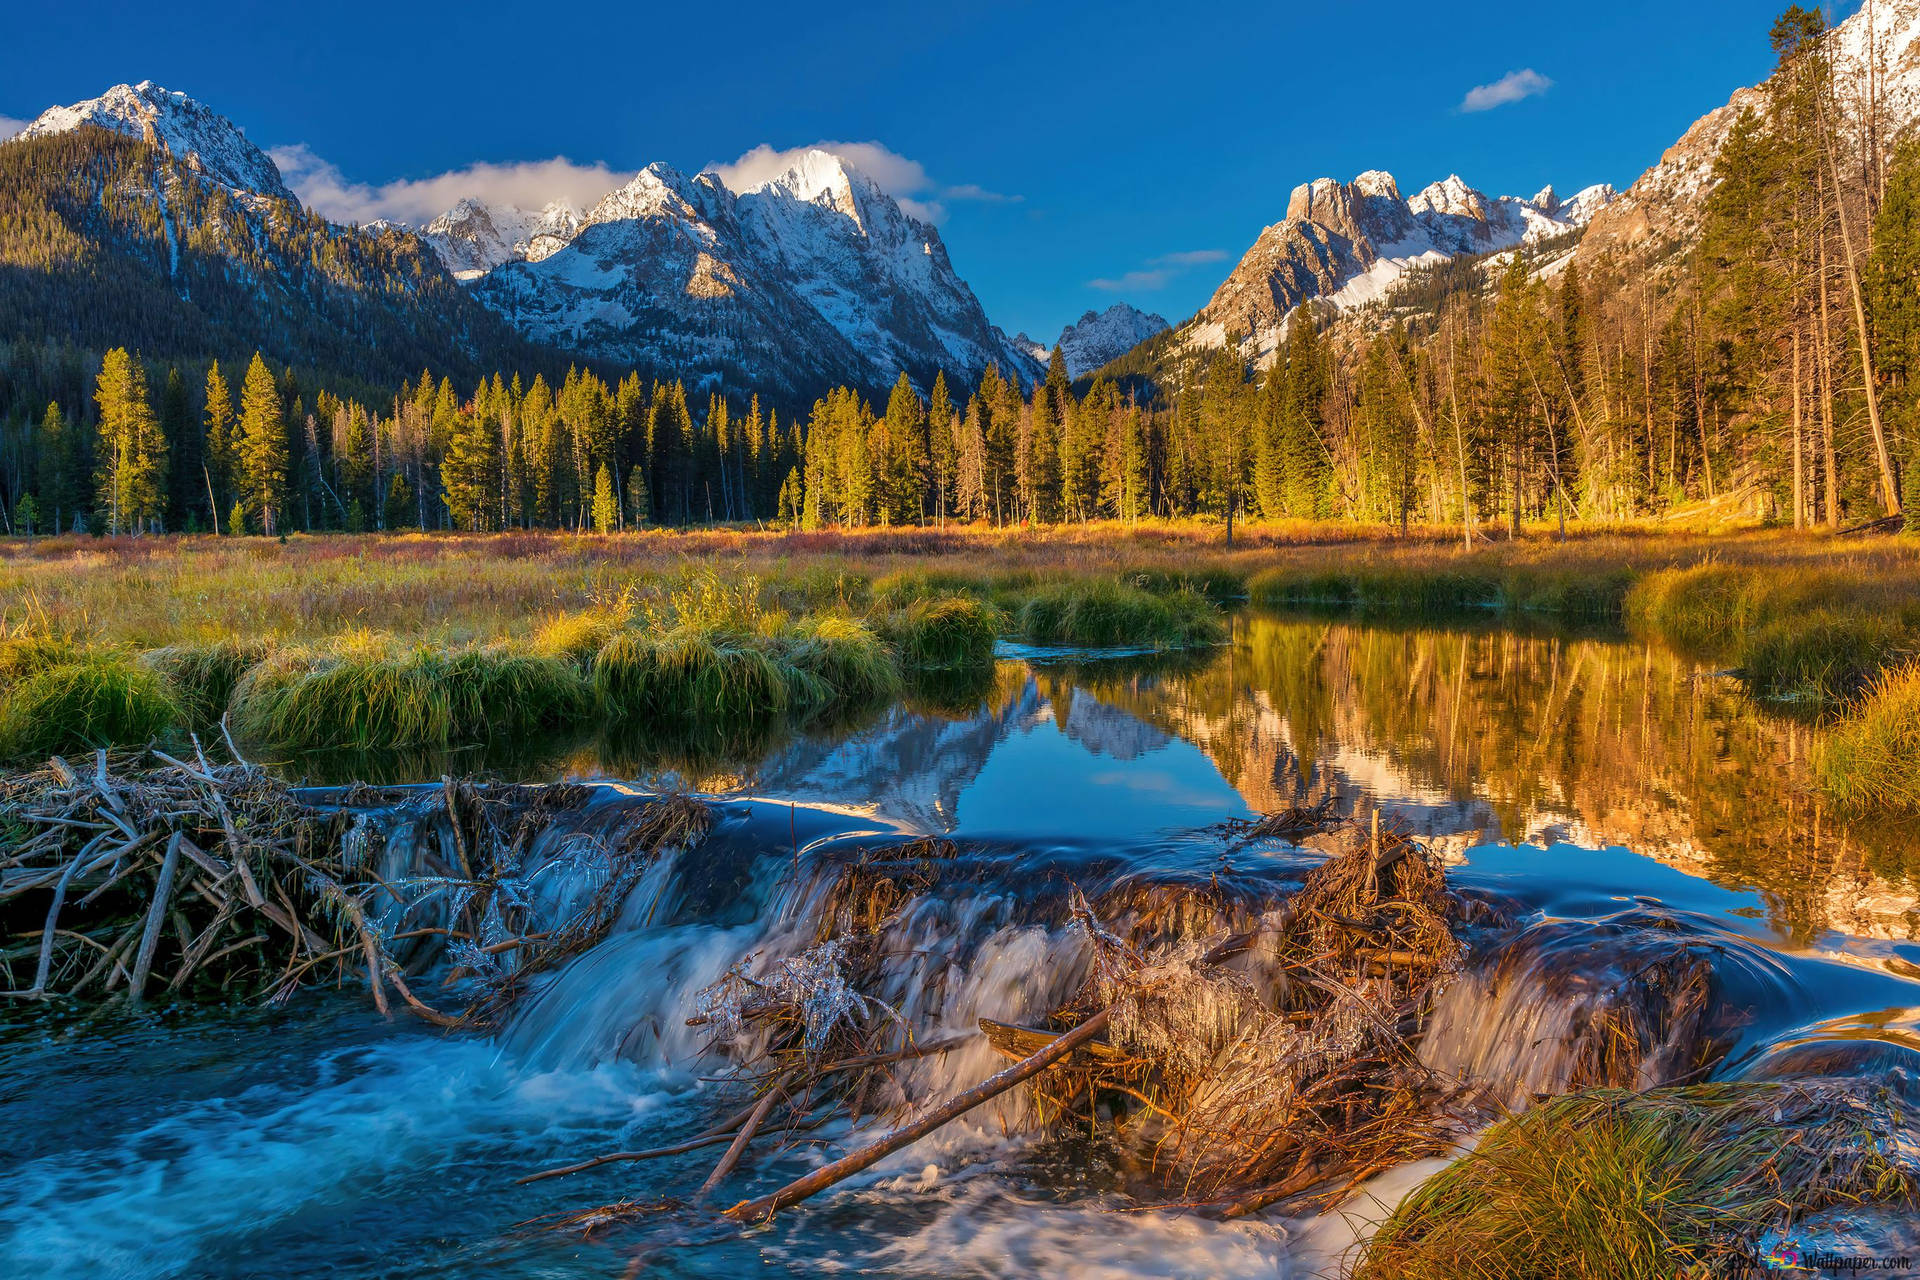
x=1198, y=968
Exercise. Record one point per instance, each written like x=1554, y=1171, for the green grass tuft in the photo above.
x=1822, y=654
x=1872, y=758
x=1612, y=1185
x=942, y=633
x=690, y=674
x=578, y=635
x=1215, y=584
x=845, y=663
x=1102, y=614
x=27, y=655
x=201, y=677
x=896, y=591
x=98, y=699
x=368, y=694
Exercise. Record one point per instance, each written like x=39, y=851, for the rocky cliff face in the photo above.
x=204, y=249
x=814, y=278
x=473, y=238
x=1661, y=212
x=1102, y=336
x=1348, y=242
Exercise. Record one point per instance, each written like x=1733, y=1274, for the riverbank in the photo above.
x=361, y=641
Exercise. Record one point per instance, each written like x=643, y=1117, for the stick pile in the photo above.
x=1242, y=1068
x=146, y=875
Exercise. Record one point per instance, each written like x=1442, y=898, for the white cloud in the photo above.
x=529, y=185
x=1132, y=281
x=9, y=126
x=1511, y=87
x=906, y=180
x=1158, y=271
x=1190, y=258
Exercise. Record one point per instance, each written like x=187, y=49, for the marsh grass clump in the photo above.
x=1699, y=609
x=1392, y=590
x=1872, y=758
x=848, y=664
x=202, y=677
x=1443, y=588
x=28, y=653
x=942, y=633
x=1823, y=654
x=1103, y=614
x=578, y=635
x=895, y=591
x=1614, y=1185
x=691, y=673
x=100, y=698
x=367, y=693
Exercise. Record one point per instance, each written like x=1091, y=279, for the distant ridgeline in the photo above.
x=1736, y=336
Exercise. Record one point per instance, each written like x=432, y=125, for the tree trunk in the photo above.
x=1889, y=495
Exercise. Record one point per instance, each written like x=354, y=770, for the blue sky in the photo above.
x=1074, y=154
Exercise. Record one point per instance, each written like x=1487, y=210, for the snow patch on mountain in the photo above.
x=473, y=238
x=1099, y=337
x=1661, y=211
x=201, y=138
x=1096, y=338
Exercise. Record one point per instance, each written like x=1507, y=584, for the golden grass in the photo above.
x=455, y=589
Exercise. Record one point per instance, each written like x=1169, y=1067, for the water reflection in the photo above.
x=1473, y=735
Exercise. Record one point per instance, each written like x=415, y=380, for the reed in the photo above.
x=1102, y=613
x=1872, y=758
x=99, y=698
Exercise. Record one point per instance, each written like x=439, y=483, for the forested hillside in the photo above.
x=1763, y=370
x=106, y=240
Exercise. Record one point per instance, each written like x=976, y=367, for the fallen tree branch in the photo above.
x=992, y=1087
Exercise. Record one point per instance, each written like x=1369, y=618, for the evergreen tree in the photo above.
x=606, y=509
x=469, y=472
x=56, y=470
x=262, y=453
x=131, y=467
x=942, y=427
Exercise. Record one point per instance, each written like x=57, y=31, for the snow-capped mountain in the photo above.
x=1661, y=211
x=205, y=243
x=1348, y=242
x=199, y=137
x=1099, y=337
x=810, y=278
x=473, y=238
x=1096, y=338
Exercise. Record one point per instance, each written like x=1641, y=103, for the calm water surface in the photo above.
x=1583, y=777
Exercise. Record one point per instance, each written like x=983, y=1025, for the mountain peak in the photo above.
x=193, y=133
x=1101, y=336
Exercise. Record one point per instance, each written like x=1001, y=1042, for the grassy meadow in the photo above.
x=424, y=640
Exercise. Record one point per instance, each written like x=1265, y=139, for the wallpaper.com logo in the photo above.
x=1788, y=1259
x=1784, y=1256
